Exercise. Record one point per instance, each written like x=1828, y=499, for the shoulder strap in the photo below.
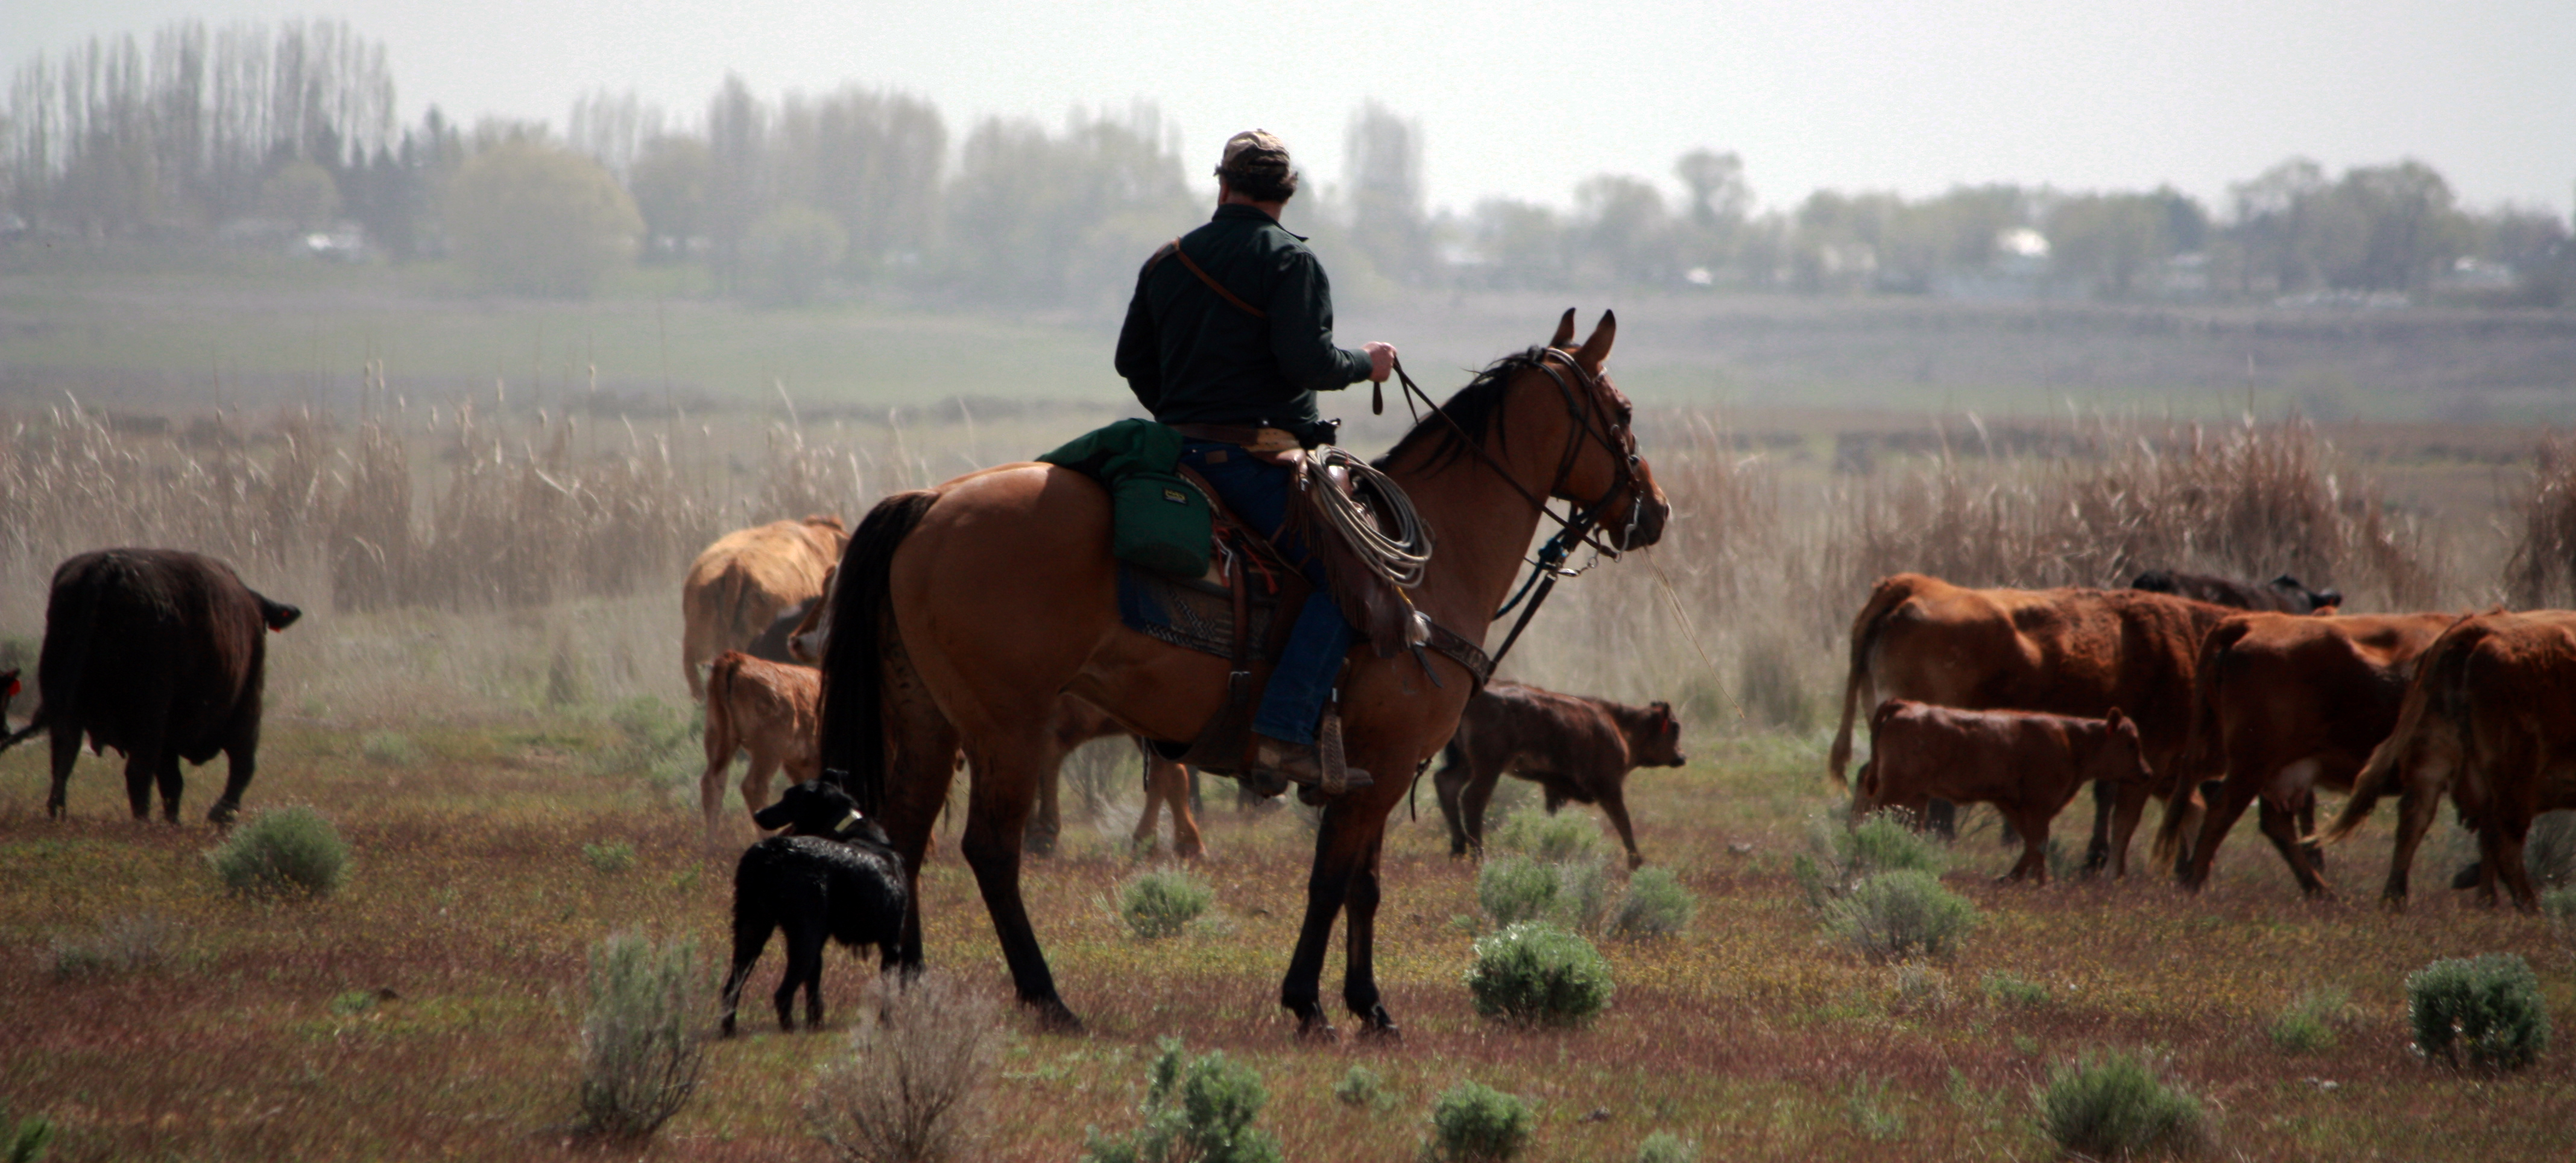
x=1174, y=247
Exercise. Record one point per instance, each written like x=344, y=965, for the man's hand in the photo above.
x=1381, y=360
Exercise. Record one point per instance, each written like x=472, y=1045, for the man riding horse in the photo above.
x=1228, y=338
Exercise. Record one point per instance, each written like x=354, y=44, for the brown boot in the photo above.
x=1300, y=763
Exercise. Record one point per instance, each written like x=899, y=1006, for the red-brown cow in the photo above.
x=767, y=709
x=1574, y=747
x=2074, y=652
x=2288, y=703
x=2489, y=718
x=2027, y=765
x=739, y=584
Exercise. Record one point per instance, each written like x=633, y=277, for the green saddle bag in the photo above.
x=1161, y=522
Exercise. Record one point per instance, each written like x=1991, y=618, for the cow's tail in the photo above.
x=720, y=739
x=2439, y=667
x=1864, y=636
x=853, y=662
x=2203, y=742
x=734, y=591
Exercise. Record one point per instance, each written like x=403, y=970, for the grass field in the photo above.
x=429, y=1009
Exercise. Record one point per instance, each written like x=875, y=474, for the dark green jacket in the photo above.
x=1192, y=357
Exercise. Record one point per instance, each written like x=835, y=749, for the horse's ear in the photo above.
x=1564, y=332
x=1597, y=348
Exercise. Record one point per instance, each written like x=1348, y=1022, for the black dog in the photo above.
x=832, y=878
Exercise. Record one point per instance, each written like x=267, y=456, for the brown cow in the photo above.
x=2286, y=704
x=2490, y=718
x=2028, y=765
x=1576, y=748
x=2070, y=651
x=767, y=709
x=741, y=583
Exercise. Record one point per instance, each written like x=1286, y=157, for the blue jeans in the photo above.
x=1259, y=492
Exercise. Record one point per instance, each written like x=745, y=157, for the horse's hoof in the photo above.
x=1382, y=1029
x=1317, y=1030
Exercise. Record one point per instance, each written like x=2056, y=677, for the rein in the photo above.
x=1582, y=526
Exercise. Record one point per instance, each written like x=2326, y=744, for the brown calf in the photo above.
x=2027, y=765
x=1573, y=747
x=767, y=709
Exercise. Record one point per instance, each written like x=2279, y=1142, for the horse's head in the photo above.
x=1602, y=474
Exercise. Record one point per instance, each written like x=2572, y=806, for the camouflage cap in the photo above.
x=1254, y=151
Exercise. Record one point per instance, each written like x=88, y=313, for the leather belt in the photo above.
x=1254, y=437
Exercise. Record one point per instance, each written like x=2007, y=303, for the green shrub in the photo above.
x=1512, y=889
x=649, y=726
x=1656, y=905
x=1866, y=1105
x=1363, y=1087
x=2115, y=1106
x=389, y=749
x=1896, y=915
x=1536, y=973
x=1162, y=903
x=1475, y=1123
x=613, y=857
x=2559, y=905
x=24, y=1140
x=1841, y=855
x=910, y=1086
x=1583, y=893
x=1198, y=1111
x=642, y=1047
x=2549, y=849
x=2308, y=1025
x=1547, y=837
x=1667, y=1147
x=2012, y=992
x=283, y=852
x=2490, y=1006
x=127, y=944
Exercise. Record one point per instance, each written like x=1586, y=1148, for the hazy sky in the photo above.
x=1913, y=95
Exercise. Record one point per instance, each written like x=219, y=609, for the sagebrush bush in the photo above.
x=1163, y=902
x=1475, y=1123
x=2005, y=989
x=2115, y=1107
x=282, y=852
x=1896, y=915
x=2309, y=1024
x=1656, y=905
x=1548, y=837
x=1363, y=1087
x=127, y=944
x=1512, y=889
x=389, y=749
x=24, y=1140
x=1196, y=1111
x=911, y=1086
x=1537, y=973
x=612, y=857
x=1866, y=1105
x=2488, y=1006
x=1667, y=1147
x=2559, y=905
x=1841, y=855
x=643, y=1046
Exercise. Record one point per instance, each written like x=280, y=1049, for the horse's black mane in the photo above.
x=1473, y=411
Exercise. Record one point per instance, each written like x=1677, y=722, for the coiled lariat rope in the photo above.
x=1362, y=515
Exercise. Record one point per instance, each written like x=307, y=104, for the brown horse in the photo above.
x=965, y=610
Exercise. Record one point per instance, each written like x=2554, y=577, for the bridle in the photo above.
x=1593, y=421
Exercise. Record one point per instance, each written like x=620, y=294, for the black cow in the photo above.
x=772, y=643
x=160, y=654
x=2282, y=594
x=832, y=879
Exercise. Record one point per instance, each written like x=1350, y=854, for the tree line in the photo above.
x=254, y=134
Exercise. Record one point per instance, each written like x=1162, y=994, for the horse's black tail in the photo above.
x=853, y=661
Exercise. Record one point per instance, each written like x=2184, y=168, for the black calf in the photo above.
x=834, y=879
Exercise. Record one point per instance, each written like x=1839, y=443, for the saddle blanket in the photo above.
x=1192, y=614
